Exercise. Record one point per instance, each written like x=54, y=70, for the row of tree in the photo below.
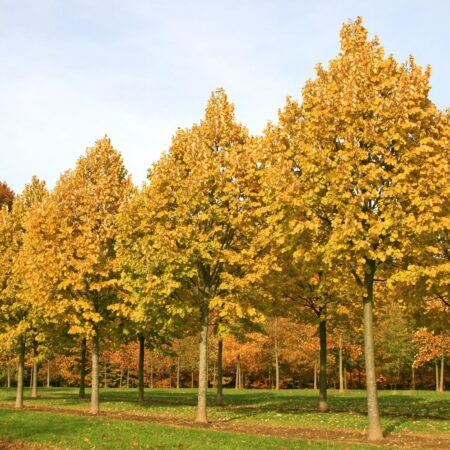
x=345, y=199
x=284, y=354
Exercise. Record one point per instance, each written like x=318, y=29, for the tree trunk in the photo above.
x=413, y=378
x=323, y=400
x=436, y=366
x=121, y=377
x=95, y=376
x=141, y=369
x=151, y=371
x=35, y=380
x=178, y=372
x=8, y=375
x=238, y=371
x=170, y=377
x=219, y=395
x=48, y=374
x=374, y=431
x=441, y=384
x=192, y=379
x=203, y=366
x=345, y=377
x=128, y=378
x=82, y=392
x=277, y=366
x=20, y=371
x=31, y=377
x=105, y=379
x=341, y=367
x=315, y=374
x=241, y=379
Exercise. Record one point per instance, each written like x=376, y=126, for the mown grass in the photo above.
x=424, y=412
x=76, y=432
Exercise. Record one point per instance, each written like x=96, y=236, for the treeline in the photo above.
x=405, y=360
x=340, y=205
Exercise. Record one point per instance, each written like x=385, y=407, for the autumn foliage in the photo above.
x=314, y=255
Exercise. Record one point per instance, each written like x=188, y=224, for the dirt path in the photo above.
x=6, y=444
x=392, y=440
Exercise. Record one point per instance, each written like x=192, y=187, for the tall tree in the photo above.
x=87, y=201
x=204, y=192
x=369, y=142
x=21, y=316
x=377, y=141
x=144, y=317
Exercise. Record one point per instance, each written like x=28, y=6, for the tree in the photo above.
x=302, y=282
x=394, y=348
x=87, y=201
x=6, y=195
x=21, y=316
x=369, y=142
x=432, y=347
x=204, y=192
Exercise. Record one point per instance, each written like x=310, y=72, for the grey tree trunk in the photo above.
x=48, y=374
x=128, y=378
x=82, y=391
x=35, y=380
x=345, y=377
x=178, y=372
x=31, y=377
x=436, y=367
x=277, y=366
x=441, y=384
x=413, y=378
x=8, y=375
x=95, y=403
x=121, y=377
x=341, y=366
x=374, y=431
x=238, y=371
x=141, y=369
x=323, y=397
x=151, y=371
x=20, y=371
x=203, y=366
x=219, y=395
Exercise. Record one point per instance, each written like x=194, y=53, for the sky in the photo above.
x=72, y=71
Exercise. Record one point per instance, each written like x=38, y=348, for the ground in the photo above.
x=250, y=419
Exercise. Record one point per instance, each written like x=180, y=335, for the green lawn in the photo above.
x=415, y=411
x=75, y=432
x=421, y=412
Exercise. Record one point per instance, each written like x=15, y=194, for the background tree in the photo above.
x=6, y=195
x=88, y=200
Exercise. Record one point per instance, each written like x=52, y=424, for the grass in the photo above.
x=414, y=411
x=420, y=412
x=63, y=431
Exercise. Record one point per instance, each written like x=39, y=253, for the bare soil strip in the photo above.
x=392, y=440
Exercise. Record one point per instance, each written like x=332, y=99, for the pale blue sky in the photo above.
x=73, y=70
